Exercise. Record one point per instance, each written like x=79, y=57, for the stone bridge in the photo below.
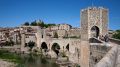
x=71, y=47
x=64, y=44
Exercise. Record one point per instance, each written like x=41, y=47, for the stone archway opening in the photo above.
x=67, y=47
x=44, y=46
x=56, y=48
x=94, y=32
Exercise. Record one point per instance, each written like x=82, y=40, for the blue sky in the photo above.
x=16, y=12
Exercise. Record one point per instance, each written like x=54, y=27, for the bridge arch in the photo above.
x=95, y=31
x=67, y=46
x=44, y=45
x=55, y=47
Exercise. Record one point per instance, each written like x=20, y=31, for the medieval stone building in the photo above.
x=94, y=22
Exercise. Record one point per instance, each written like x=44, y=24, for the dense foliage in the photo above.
x=26, y=24
x=9, y=43
x=38, y=23
x=117, y=34
x=31, y=44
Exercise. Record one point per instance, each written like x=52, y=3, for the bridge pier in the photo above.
x=85, y=54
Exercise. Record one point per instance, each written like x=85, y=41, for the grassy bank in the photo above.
x=11, y=57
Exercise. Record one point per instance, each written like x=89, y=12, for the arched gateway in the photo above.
x=95, y=32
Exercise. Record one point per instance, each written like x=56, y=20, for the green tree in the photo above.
x=31, y=44
x=7, y=43
x=34, y=23
x=46, y=25
x=26, y=24
x=55, y=35
x=39, y=23
x=11, y=42
x=117, y=34
x=51, y=25
x=42, y=24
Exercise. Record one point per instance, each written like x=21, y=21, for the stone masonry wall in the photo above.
x=97, y=52
x=109, y=59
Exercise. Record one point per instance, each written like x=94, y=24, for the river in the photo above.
x=36, y=61
x=27, y=60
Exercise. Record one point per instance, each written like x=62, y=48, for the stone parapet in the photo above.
x=109, y=59
x=118, y=58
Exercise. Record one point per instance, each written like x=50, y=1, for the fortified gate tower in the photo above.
x=94, y=23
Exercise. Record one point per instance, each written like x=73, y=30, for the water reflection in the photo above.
x=36, y=61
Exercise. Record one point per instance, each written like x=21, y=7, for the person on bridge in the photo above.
x=106, y=38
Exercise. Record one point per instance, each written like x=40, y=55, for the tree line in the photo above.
x=38, y=23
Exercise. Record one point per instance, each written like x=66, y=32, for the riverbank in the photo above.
x=9, y=59
x=4, y=63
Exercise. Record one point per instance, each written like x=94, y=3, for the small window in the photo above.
x=42, y=36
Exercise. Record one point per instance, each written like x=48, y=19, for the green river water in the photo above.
x=28, y=60
x=36, y=61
